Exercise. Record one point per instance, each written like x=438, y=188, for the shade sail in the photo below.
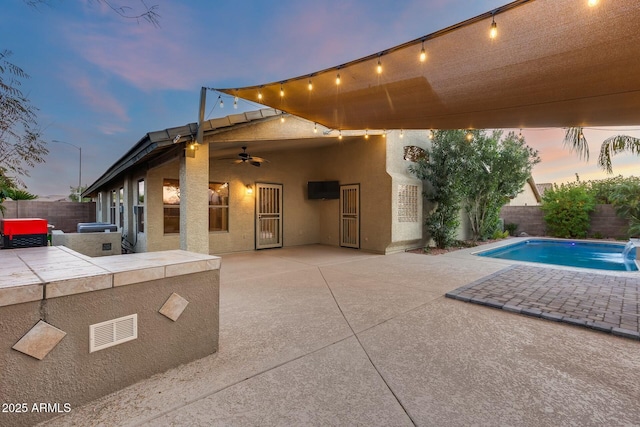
x=554, y=63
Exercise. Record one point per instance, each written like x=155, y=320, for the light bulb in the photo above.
x=493, y=33
x=423, y=54
x=310, y=85
x=379, y=69
x=282, y=119
x=281, y=91
x=260, y=95
x=592, y=3
x=431, y=134
x=338, y=79
x=315, y=128
x=384, y=133
x=520, y=135
x=339, y=134
x=469, y=136
x=235, y=103
x=366, y=134
x=401, y=133
x=221, y=103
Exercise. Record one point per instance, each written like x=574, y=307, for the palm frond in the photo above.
x=575, y=141
x=614, y=145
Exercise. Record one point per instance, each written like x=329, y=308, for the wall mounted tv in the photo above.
x=323, y=190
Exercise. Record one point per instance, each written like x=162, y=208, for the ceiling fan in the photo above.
x=245, y=157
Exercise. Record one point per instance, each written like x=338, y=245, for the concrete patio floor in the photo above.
x=318, y=335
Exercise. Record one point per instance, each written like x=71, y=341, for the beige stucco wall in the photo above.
x=376, y=164
x=70, y=374
x=526, y=198
x=404, y=235
x=90, y=244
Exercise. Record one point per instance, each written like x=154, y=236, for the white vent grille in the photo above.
x=113, y=332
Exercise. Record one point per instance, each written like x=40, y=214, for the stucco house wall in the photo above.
x=295, y=156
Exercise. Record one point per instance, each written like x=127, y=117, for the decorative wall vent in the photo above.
x=407, y=203
x=113, y=332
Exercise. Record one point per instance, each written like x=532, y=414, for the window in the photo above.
x=112, y=207
x=121, y=207
x=218, y=206
x=139, y=208
x=171, y=202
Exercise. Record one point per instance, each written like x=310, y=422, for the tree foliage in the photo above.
x=441, y=170
x=567, y=209
x=478, y=175
x=575, y=140
x=495, y=169
x=144, y=13
x=21, y=145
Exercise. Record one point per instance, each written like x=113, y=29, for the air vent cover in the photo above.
x=113, y=332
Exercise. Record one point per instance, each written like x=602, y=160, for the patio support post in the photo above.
x=194, y=198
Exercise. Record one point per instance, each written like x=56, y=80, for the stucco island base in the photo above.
x=69, y=375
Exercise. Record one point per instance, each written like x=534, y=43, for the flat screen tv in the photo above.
x=323, y=190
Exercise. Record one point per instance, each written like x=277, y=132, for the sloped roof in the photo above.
x=158, y=143
x=554, y=63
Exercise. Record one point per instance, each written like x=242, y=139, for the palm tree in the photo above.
x=575, y=140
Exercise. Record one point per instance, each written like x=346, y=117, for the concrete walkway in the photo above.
x=317, y=335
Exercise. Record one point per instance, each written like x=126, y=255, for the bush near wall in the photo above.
x=604, y=221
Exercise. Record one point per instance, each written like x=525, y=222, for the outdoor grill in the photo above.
x=23, y=232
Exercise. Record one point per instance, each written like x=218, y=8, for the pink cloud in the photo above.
x=100, y=100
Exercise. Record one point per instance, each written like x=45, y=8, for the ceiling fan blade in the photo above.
x=237, y=162
x=259, y=159
x=257, y=164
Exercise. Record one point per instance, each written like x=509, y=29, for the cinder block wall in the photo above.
x=604, y=221
x=64, y=215
x=70, y=374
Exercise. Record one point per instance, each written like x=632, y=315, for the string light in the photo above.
x=338, y=79
x=520, y=135
x=423, y=53
x=259, y=94
x=430, y=133
x=469, y=136
x=401, y=133
x=384, y=133
x=366, y=134
x=339, y=134
x=493, y=33
x=379, y=68
x=221, y=102
x=592, y=3
x=310, y=85
x=235, y=102
x=281, y=91
x=282, y=118
x=315, y=128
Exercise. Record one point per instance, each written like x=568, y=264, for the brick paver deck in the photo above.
x=597, y=301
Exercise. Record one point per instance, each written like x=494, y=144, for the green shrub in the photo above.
x=511, y=228
x=567, y=210
x=500, y=235
x=625, y=198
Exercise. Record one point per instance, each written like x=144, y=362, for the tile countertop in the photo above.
x=33, y=274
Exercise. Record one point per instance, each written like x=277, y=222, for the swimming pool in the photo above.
x=602, y=256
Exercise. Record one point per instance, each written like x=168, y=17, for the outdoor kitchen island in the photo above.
x=75, y=328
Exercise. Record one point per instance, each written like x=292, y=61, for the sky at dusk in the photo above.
x=102, y=82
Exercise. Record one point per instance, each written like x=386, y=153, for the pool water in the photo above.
x=602, y=256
